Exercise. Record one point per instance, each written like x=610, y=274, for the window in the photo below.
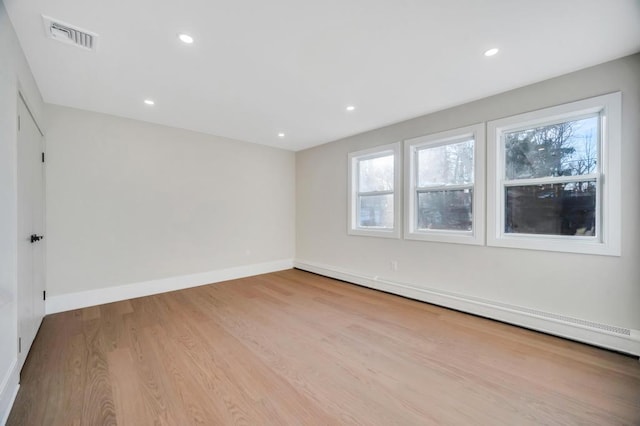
x=445, y=181
x=555, y=178
x=374, y=204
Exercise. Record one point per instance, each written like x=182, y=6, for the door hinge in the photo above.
x=43, y=157
x=18, y=123
x=19, y=344
x=44, y=294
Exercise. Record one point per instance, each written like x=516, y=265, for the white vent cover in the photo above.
x=69, y=34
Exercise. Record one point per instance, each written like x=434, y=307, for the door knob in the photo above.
x=35, y=238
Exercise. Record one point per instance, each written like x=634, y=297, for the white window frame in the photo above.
x=412, y=146
x=608, y=178
x=367, y=154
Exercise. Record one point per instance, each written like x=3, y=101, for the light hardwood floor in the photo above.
x=295, y=348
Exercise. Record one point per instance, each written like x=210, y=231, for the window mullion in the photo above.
x=444, y=188
x=551, y=180
x=373, y=193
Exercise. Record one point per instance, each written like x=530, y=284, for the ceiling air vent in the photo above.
x=69, y=34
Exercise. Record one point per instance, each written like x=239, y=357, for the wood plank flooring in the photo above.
x=296, y=348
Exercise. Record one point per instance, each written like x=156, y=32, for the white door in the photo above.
x=30, y=230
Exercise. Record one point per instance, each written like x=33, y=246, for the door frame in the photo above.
x=22, y=354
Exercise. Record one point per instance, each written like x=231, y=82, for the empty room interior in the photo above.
x=331, y=212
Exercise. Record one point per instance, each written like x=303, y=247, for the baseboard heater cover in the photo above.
x=603, y=335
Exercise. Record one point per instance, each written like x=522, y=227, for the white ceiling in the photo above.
x=260, y=67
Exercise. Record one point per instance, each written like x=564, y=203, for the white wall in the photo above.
x=601, y=289
x=14, y=75
x=130, y=202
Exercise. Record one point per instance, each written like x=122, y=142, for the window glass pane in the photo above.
x=559, y=209
x=450, y=210
x=563, y=149
x=447, y=164
x=376, y=174
x=376, y=211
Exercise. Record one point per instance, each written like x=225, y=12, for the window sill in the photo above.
x=439, y=236
x=380, y=233
x=581, y=245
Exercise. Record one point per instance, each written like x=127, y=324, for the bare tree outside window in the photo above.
x=445, y=187
x=541, y=157
x=446, y=164
x=375, y=188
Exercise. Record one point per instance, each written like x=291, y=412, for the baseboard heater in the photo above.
x=607, y=336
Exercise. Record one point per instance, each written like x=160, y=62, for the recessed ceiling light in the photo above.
x=149, y=102
x=281, y=135
x=185, y=38
x=350, y=108
x=491, y=52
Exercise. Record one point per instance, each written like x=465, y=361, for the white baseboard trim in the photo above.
x=67, y=302
x=8, y=391
x=602, y=335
